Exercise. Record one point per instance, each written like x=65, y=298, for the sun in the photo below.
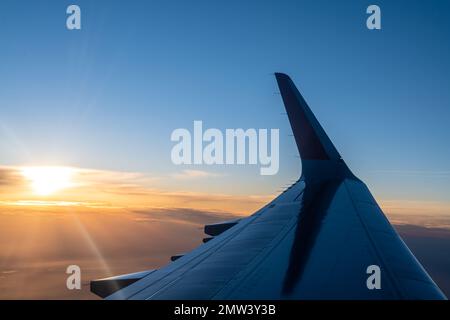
x=48, y=180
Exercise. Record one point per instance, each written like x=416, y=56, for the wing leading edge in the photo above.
x=314, y=241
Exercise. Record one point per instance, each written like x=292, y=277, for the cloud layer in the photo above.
x=111, y=223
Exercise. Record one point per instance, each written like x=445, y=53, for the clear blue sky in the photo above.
x=108, y=96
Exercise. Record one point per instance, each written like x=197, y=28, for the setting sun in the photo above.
x=47, y=180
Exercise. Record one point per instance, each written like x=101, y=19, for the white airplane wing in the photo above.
x=325, y=237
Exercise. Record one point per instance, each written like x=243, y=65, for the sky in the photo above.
x=102, y=102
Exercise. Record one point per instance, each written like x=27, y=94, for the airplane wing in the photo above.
x=325, y=237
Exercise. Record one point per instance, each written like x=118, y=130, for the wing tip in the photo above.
x=282, y=76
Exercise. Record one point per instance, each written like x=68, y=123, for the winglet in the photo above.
x=312, y=141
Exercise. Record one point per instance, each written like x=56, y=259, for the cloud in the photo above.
x=195, y=174
x=93, y=188
x=10, y=177
x=429, y=245
x=142, y=192
x=186, y=215
x=416, y=173
x=40, y=243
x=136, y=223
x=424, y=213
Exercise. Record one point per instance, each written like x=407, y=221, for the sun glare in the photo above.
x=47, y=180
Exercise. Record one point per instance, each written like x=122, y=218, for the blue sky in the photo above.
x=108, y=96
